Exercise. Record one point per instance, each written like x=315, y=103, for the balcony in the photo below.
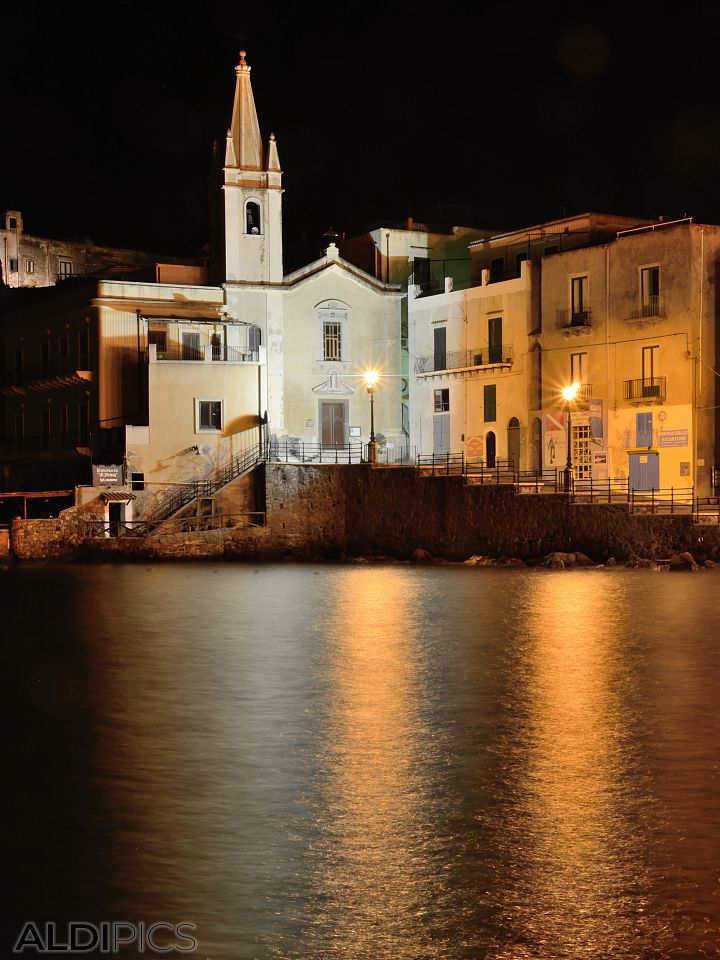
x=204, y=353
x=645, y=390
x=651, y=310
x=465, y=361
x=573, y=319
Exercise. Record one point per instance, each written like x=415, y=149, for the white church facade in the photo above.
x=174, y=379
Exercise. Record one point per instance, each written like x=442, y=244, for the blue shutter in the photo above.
x=643, y=429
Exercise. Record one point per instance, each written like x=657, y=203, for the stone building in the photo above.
x=30, y=261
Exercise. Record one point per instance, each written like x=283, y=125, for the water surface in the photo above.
x=368, y=761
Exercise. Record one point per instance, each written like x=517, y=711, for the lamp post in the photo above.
x=569, y=394
x=371, y=379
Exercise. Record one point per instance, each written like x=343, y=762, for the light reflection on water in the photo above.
x=370, y=762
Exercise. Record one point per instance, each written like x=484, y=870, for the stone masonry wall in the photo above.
x=328, y=511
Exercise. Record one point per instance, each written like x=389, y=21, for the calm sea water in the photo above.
x=368, y=762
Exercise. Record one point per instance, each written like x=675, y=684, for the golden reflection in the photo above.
x=576, y=890
x=376, y=880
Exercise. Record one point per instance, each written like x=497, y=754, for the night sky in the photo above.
x=509, y=116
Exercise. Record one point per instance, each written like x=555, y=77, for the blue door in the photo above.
x=644, y=471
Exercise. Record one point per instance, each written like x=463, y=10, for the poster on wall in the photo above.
x=595, y=419
x=554, y=440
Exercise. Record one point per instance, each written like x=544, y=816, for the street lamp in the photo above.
x=569, y=394
x=371, y=379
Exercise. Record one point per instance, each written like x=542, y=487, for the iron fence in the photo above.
x=670, y=500
x=110, y=529
x=294, y=450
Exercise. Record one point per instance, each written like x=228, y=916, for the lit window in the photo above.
x=65, y=268
x=208, y=415
x=441, y=400
x=331, y=340
x=29, y=266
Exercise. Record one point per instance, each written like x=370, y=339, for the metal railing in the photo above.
x=502, y=354
x=566, y=317
x=669, y=500
x=294, y=450
x=629, y=308
x=646, y=388
x=217, y=352
x=179, y=496
x=107, y=529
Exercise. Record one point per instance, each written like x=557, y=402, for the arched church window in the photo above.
x=253, y=217
x=254, y=339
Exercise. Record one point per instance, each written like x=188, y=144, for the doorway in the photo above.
x=333, y=423
x=490, y=449
x=513, y=443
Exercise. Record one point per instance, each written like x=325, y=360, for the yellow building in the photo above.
x=625, y=309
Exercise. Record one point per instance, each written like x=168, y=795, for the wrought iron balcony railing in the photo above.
x=574, y=317
x=652, y=308
x=497, y=355
x=646, y=388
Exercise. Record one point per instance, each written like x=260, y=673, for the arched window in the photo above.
x=513, y=442
x=254, y=340
x=253, y=217
x=490, y=449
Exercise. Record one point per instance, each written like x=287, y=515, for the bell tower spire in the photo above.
x=253, y=193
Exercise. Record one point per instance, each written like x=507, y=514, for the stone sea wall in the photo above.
x=334, y=511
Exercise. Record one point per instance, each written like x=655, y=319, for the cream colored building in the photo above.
x=626, y=310
x=175, y=379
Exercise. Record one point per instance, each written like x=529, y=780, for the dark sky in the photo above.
x=519, y=113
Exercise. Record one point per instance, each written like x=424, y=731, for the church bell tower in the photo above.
x=253, y=193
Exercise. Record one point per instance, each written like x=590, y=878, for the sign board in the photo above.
x=110, y=475
x=673, y=438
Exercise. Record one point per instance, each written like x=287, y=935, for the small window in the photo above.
x=138, y=481
x=497, y=269
x=489, y=403
x=332, y=345
x=441, y=400
x=65, y=268
x=650, y=290
x=209, y=415
x=12, y=223
x=12, y=264
x=579, y=305
x=45, y=429
x=578, y=368
x=29, y=266
x=253, y=222
x=158, y=336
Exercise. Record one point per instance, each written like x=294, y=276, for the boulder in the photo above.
x=683, y=561
x=582, y=560
x=421, y=556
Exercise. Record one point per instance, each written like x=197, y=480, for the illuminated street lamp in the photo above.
x=371, y=379
x=569, y=395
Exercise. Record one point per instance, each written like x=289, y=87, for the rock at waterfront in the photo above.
x=477, y=560
x=421, y=556
x=582, y=560
x=683, y=561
